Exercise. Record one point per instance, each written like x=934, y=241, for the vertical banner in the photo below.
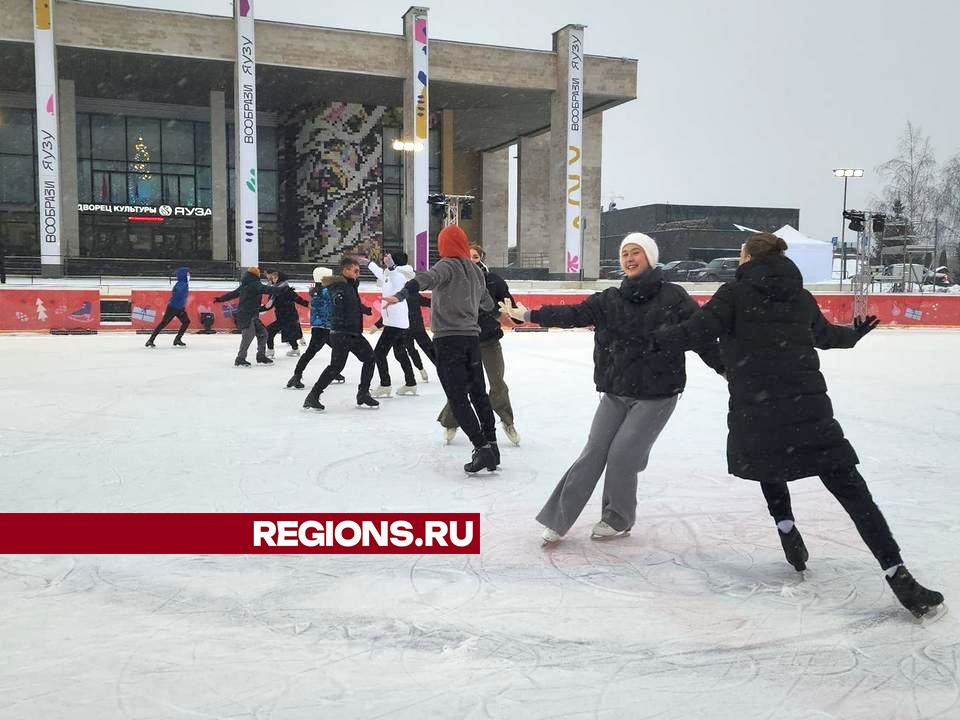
x=48, y=145
x=573, y=227
x=245, y=129
x=421, y=141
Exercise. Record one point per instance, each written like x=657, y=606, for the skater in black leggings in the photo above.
x=780, y=419
x=176, y=308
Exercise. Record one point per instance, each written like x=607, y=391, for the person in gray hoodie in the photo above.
x=459, y=293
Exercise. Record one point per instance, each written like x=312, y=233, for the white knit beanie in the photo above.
x=320, y=273
x=646, y=242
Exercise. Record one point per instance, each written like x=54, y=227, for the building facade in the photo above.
x=147, y=168
x=689, y=232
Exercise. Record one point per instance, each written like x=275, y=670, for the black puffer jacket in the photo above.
x=249, y=293
x=285, y=301
x=623, y=319
x=348, y=311
x=490, y=328
x=780, y=418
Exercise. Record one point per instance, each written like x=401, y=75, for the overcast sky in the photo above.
x=744, y=102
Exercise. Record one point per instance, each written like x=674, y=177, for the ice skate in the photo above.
x=295, y=382
x=293, y=353
x=424, y=377
x=407, y=390
x=240, y=362
x=339, y=380
x=483, y=458
x=312, y=402
x=448, y=435
x=264, y=360
x=382, y=391
x=912, y=595
x=179, y=343
x=794, y=549
x=364, y=399
x=550, y=537
x=150, y=343
x=603, y=531
x=270, y=352
x=512, y=435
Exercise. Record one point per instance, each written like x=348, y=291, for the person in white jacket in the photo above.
x=396, y=321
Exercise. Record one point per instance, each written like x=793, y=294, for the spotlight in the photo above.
x=398, y=145
x=879, y=223
x=856, y=218
x=466, y=212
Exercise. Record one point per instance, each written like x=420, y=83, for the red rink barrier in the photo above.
x=49, y=309
x=239, y=533
x=63, y=309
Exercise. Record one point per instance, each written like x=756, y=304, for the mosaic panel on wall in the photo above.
x=332, y=195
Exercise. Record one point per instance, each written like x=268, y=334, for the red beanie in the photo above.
x=452, y=242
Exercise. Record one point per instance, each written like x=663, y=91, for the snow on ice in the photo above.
x=696, y=615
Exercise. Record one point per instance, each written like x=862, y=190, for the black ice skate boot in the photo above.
x=492, y=441
x=179, y=343
x=794, y=549
x=264, y=360
x=149, y=343
x=295, y=382
x=339, y=379
x=483, y=458
x=911, y=594
x=364, y=400
x=312, y=401
x=241, y=362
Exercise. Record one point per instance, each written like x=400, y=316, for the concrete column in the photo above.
x=534, y=234
x=468, y=180
x=496, y=168
x=592, y=151
x=218, y=168
x=560, y=112
x=446, y=152
x=70, y=217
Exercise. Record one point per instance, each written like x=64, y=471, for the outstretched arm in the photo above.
x=228, y=296
x=827, y=336
x=713, y=320
x=584, y=314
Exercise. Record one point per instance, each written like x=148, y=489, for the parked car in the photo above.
x=681, y=270
x=939, y=277
x=717, y=270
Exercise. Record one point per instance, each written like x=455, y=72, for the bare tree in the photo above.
x=912, y=180
x=950, y=211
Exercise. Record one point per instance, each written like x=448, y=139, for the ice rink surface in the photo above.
x=696, y=615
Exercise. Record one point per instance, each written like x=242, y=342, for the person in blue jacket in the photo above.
x=176, y=308
x=320, y=312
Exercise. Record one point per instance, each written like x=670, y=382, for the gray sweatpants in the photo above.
x=255, y=328
x=621, y=436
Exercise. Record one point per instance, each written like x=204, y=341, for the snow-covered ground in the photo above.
x=696, y=615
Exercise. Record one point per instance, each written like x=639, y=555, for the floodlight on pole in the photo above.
x=398, y=145
x=408, y=146
x=846, y=174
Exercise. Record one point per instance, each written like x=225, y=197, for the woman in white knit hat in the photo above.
x=639, y=387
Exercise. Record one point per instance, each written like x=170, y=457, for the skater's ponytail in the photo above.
x=764, y=244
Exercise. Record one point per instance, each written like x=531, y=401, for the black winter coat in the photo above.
x=285, y=301
x=623, y=318
x=489, y=320
x=780, y=421
x=249, y=293
x=347, y=314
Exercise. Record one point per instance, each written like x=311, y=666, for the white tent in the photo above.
x=813, y=257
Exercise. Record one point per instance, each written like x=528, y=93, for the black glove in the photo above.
x=864, y=325
x=366, y=310
x=217, y=300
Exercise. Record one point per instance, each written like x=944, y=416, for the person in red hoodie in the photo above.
x=459, y=293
